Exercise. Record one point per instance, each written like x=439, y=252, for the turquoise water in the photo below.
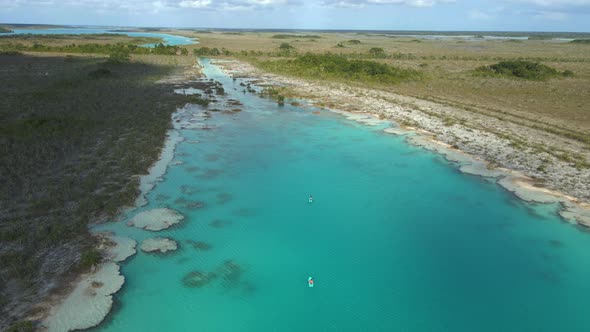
x=396, y=239
x=167, y=38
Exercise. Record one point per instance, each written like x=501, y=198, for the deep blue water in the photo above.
x=397, y=238
x=167, y=38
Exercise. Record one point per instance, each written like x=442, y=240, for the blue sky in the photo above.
x=514, y=15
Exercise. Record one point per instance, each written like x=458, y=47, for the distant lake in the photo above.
x=168, y=39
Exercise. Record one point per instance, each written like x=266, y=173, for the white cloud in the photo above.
x=364, y=3
x=194, y=3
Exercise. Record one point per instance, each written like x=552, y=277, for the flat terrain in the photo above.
x=448, y=66
x=64, y=40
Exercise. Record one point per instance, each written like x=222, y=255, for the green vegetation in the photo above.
x=285, y=47
x=90, y=257
x=10, y=53
x=336, y=67
x=206, y=51
x=377, y=52
x=159, y=49
x=196, y=99
x=74, y=133
x=521, y=69
x=5, y=30
x=119, y=56
x=22, y=326
x=581, y=41
x=285, y=36
x=354, y=42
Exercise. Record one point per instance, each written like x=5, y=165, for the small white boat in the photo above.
x=310, y=282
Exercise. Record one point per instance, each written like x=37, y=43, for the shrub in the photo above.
x=10, y=53
x=285, y=36
x=206, y=51
x=199, y=101
x=377, y=52
x=22, y=326
x=354, y=42
x=119, y=56
x=285, y=47
x=519, y=69
x=331, y=66
x=89, y=258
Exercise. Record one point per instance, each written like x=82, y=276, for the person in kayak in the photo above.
x=310, y=199
x=310, y=281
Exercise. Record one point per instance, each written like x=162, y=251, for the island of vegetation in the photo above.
x=5, y=30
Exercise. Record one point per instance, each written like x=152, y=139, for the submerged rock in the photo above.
x=218, y=223
x=223, y=198
x=230, y=273
x=156, y=219
x=188, y=204
x=159, y=244
x=199, y=245
x=211, y=173
x=196, y=279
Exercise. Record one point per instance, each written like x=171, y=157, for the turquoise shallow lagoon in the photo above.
x=397, y=238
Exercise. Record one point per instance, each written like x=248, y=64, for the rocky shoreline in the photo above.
x=520, y=157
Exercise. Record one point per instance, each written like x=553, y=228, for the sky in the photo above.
x=445, y=15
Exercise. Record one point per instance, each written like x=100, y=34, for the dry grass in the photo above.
x=561, y=103
x=63, y=40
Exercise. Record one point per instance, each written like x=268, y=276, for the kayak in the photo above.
x=310, y=282
x=311, y=200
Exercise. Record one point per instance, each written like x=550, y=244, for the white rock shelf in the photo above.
x=159, y=244
x=156, y=219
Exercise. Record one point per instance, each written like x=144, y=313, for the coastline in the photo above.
x=91, y=293
x=475, y=149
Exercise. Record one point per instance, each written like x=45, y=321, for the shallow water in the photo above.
x=397, y=238
x=167, y=38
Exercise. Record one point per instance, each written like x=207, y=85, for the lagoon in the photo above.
x=397, y=239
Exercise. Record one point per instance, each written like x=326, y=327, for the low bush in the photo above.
x=337, y=67
x=521, y=69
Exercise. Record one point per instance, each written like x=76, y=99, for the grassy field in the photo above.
x=449, y=70
x=74, y=130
